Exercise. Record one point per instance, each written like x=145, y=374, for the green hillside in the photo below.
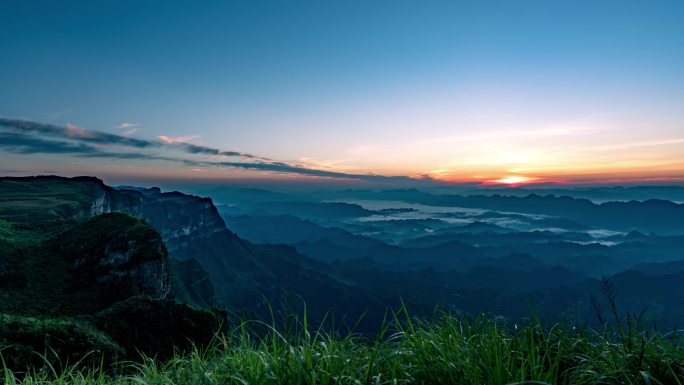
x=87, y=296
x=83, y=287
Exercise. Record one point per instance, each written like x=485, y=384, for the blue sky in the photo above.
x=545, y=90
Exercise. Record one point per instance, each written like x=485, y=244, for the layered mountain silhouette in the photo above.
x=76, y=247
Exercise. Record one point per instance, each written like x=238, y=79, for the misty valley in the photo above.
x=490, y=253
x=103, y=274
x=341, y=192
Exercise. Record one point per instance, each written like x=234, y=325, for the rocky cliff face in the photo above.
x=49, y=198
x=60, y=237
x=104, y=199
x=242, y=275
x=69, y=250
x=192, y=229
x=187, y=224
x=113, y=257
x=178, y=217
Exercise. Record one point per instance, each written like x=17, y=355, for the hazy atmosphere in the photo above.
x=529, y=91
x=341, y=192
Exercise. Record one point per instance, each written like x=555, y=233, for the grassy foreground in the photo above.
x=448, y=350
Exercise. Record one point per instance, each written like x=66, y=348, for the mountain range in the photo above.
x=142, y=269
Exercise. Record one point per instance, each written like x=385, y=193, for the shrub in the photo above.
x=60, y=341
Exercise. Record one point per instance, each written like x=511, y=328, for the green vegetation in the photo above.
x=25, y=339
x=53, y=270
x=44, y=198
x=446, y=350
x=158, y=327
x=87, y=298
x=90, y=291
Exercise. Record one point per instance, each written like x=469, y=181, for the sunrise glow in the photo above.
x=513, y=180
x=437, y=95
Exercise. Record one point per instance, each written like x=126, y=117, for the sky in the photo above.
x=393, y=92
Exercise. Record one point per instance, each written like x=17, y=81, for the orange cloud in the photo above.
x=177, y=139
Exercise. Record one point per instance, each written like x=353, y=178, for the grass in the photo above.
x=39, y=199
x=448, y=349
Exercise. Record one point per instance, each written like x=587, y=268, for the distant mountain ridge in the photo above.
x=475, y=257
x=242, y=276
x=336, y=273
x=649, y=215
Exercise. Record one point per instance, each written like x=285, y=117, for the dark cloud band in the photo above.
x=75, y=133
x=26, y=137
x=28, y=144
x=98, y=137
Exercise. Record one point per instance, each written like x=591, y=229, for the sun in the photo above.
x=513, y=180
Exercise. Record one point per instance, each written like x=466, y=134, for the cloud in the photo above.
x=291, y=169
x=72, y=132
x=195, y=149
x=129, y=132
x=131, y=128
x=26, y=144
x=178, y=139
x=128, y=156
x=26, y=137
x=125, y=125
x=647, y=143
x=181, y=141
x=76, y=133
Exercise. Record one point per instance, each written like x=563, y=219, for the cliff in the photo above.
x=179, y=217
x=52, y=202
x=193, y=230
x=53, y=198
x=243, y=276
x=113, y=257
x=77, y=272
